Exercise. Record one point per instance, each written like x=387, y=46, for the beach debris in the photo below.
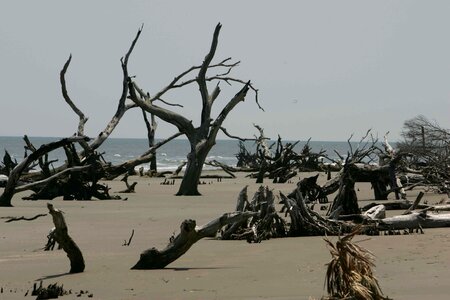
x=6, y=166
x=15, y=174
x=281, y=165
x=127, y=243
x=350, y=272
x=65, y=241
x=168, y=182
x=189, y=234
x=52, y=291
x=428, y=162
x=265, y=224
x=12, y=219
x=51, y=241
x=130, y=188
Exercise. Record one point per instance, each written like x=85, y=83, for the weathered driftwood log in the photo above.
x=416, y=220
x=394, y=205
x=445, y=207
x=65, y=241
x=189, y=234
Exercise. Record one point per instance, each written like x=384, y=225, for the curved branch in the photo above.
x=83, y=118
x=121, y=108
x=224, y=130
x=184, y=125
x=240, y=96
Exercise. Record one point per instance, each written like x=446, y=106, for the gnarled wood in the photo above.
x=65, y=241
x=203, y=137
x=189, y=235
x=5, y=198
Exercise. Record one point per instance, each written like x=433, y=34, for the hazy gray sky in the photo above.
x=325, y=69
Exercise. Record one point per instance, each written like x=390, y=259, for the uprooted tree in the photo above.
x=203, y=137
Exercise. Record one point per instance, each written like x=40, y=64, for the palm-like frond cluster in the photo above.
x=349, y=273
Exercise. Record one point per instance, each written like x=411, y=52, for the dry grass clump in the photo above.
x=349, y=273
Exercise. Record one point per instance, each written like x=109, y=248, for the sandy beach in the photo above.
x=408, y=266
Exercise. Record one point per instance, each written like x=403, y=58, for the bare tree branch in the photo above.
x=83, y=118
x=224, y=130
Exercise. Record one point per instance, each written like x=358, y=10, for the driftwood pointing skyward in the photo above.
x=65, y=241
x=189, y=235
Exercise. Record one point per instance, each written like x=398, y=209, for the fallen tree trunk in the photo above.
x=65, y=241
x=189, y=235
x=394, y=205
x=416, y=220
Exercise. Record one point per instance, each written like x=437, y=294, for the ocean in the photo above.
x=169, y=156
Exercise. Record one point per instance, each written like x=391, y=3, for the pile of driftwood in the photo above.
x=259, y=220
x=280, y=165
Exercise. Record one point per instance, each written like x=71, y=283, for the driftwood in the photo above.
x=12, y=219
x=65, y=241
x=130, y=187
x=394, y=205
x=127, y=243
x=227, y=169
x=14, y=177
x=52, y=291
x=264, y=225
x=416, y=220
x=189, y=234
x=8, y=164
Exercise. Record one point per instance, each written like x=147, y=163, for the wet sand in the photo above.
x=408, y=267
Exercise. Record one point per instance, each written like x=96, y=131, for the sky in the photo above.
x=324, y=69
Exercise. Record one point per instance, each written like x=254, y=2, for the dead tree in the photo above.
x=80, y=180
x=189, y=234
x=346, y=200
x=78, y=177
x=10, y=189
x=428, y=147
x=65, y=241
x=203, y=137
